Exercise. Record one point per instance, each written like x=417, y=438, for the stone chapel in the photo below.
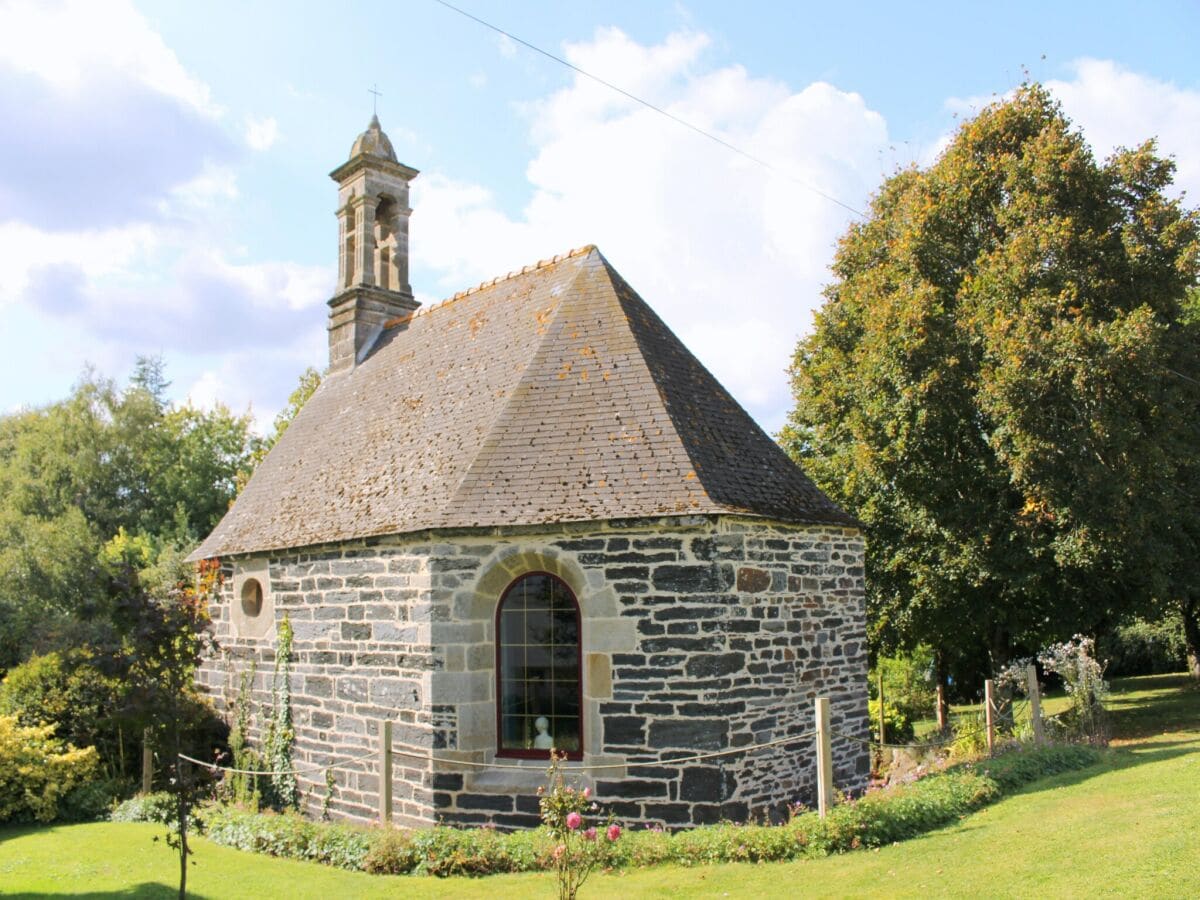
x=524, y=517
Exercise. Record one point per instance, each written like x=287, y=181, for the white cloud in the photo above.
x=101, y=121
x=730, y=254
x=506, y=45
x=261, y=134
x=213, y=185
x=73, y=42
x=97, y=254
x=257, y=381
x=1116, y=107
x=184, y=299
x=130, y=254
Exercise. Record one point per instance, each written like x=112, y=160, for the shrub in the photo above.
x=1083, y=678
x=899, y=726
x=908, y=684
x=1144, y=648
x=37, y=771
x=970, y=737
x=94, y=800
x=157, y=807
x=67, y=690
x=288, y=835
x=391, y=853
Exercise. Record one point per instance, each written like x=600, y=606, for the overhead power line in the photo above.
x=757, y=160
x=658, y=109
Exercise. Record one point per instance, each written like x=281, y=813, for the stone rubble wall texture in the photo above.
x=700, y=634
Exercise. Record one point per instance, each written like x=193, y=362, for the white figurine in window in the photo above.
x=544, y=740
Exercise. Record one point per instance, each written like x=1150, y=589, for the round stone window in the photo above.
x=252, y=597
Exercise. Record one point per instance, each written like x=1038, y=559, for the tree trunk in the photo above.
x=183, y=848
x=184, y=801
x=943, y=704
x=1191, y=635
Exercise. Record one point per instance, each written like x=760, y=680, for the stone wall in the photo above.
x=361, y=618
x=699, y=635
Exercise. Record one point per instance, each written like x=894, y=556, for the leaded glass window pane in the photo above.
x=539, y=691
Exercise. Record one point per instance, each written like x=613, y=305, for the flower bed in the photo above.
x=881, y=817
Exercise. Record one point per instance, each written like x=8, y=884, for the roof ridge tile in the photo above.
x=484, y=285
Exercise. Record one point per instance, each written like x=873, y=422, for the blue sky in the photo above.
x=164, y=166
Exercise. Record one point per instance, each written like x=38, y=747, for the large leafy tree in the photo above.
x=105, y=464
x=996, y=385
x=1181, y=531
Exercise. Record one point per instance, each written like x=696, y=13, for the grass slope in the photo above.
x=1130, y=826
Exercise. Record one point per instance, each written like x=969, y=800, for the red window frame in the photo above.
x=538, y=754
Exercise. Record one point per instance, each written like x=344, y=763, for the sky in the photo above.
x=164, y=165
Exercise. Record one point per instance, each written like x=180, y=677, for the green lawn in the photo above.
x=1053, y=703
x=1128, y=827
x=1140, y=707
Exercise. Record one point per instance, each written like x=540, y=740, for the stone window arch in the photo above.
x=539, y=672
x=386, y=230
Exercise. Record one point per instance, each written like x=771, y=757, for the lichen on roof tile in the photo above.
x=448, y=424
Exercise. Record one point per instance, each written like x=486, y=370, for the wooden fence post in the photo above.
x=824, y=758
x=147, y=761
x=1035, y=706
x=989, y=708
x=385, y=772
x=882, y=726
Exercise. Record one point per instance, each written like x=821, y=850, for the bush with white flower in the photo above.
x=1083, y=679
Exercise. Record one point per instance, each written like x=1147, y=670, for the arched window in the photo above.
x=537, y=669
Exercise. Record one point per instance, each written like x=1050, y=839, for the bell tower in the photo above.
x=373, y=213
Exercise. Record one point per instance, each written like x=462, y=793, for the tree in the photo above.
x=1182, y=531
x=310, y=380
x=105, y=461
x=990, y=386
x=161, y=640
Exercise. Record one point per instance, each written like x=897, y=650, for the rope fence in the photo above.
x=450, y=761
x=388, y=749
x=303, y=770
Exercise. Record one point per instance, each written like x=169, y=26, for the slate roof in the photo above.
x=552, y=395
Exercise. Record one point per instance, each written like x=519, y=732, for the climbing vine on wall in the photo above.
x=281, y=733
x=243, y=787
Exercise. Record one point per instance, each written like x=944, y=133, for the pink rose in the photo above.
x=590, y=834
x=587, y=792
x=614, y=832
x=574, y=820
x=559, y=851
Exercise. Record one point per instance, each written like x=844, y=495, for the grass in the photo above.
x=1140, y=706
x=1053, y=703
x=1129, y=826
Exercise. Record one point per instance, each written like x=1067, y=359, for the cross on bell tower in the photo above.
x=373, y=215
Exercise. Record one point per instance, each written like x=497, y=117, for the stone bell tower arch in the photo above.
x=373, y=213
